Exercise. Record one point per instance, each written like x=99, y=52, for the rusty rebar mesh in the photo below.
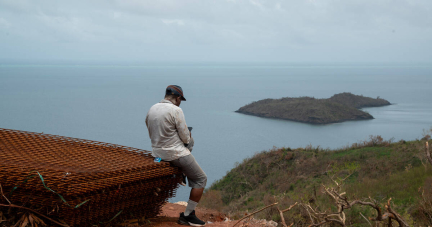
x=111, y=177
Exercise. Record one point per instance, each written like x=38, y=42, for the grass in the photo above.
x=384, y=169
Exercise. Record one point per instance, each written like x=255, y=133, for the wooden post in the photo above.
x=428, y=155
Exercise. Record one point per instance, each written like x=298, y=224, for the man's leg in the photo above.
x=194, y=198
x=197, y=181
x=195, y=194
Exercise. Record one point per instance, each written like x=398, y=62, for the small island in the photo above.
x=338, y=108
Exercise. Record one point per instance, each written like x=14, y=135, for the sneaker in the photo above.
x=183, y=182
x=191, y=220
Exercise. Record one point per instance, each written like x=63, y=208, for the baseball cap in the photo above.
x=175, y=90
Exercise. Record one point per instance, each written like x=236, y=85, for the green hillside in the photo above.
x=383, y=170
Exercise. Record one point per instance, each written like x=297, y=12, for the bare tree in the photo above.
x=342, y=203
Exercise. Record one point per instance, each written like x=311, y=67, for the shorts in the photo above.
x=189, y=166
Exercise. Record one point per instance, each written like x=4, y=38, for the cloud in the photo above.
x=257, y=4
x=4, y=23
x=278, y=7
x=117, y=15
x=176, y=21
x=238, y=30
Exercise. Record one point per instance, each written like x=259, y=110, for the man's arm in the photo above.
x=182, y=129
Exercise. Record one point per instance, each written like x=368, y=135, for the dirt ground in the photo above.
x=171, y=212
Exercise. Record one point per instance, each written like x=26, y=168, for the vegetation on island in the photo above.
x=395, y=176
x=338, y=108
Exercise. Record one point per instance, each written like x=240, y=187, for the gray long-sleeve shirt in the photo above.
x=168, y=131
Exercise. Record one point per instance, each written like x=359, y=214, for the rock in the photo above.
x=183, y=203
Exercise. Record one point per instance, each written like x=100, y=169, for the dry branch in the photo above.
x=342, y=203
x=254, y=213
x=1, y=190
x=283, y=211
x=366, y=219
x=20, y=207
x=289, y=208
x=25, y=208
x=282, y=218
x=396, y=216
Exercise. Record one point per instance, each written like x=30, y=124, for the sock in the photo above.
x=190, y=207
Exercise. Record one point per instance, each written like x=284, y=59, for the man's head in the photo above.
x=174, y=93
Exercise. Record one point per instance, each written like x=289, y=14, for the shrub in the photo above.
x=212, y=199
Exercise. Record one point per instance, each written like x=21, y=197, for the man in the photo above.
x=169, y=134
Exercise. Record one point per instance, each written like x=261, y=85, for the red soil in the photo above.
x=171, y=212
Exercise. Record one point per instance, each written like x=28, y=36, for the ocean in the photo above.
x=109, y=103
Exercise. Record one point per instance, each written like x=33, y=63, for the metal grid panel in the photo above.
x=112, y=177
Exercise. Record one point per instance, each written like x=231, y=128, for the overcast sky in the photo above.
x=217, y=30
